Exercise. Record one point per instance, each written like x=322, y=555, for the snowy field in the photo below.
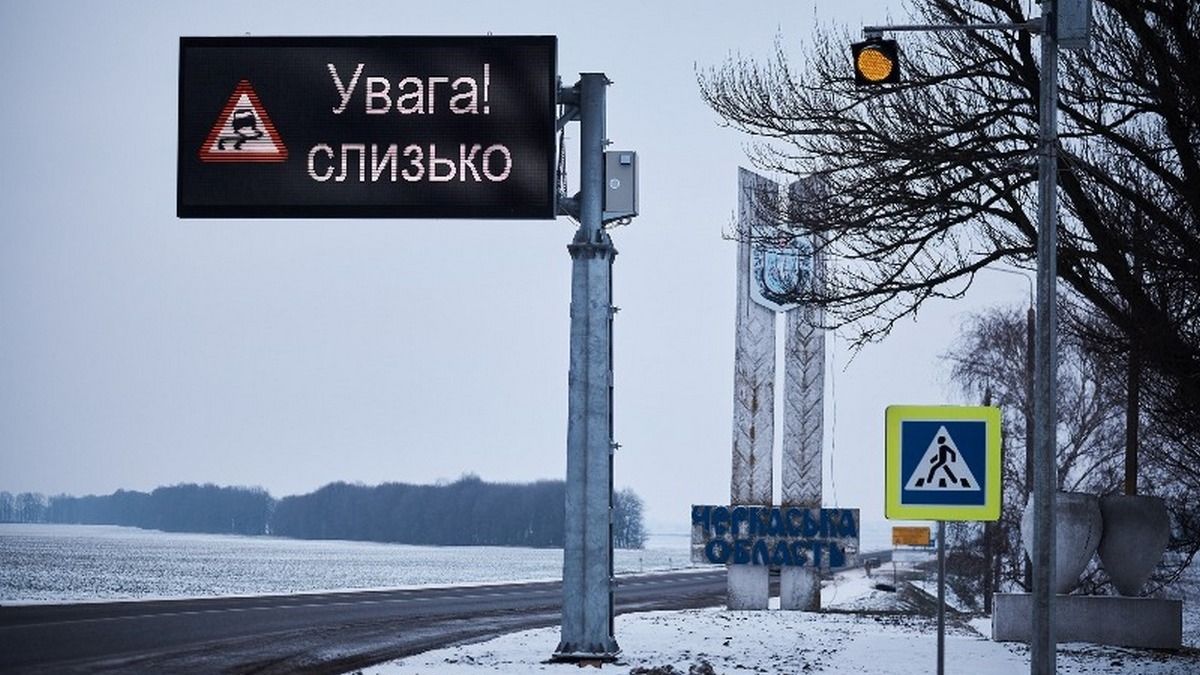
x=861, y=634
x=72, y=563
x=68, y=563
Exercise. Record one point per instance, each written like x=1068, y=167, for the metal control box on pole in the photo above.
x=620, y=185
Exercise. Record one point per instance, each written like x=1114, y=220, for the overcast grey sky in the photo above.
x=138, y=350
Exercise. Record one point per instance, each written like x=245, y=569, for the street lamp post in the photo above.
x=1045, y=466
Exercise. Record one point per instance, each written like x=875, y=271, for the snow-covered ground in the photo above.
x=861, y=632
x=41, y=563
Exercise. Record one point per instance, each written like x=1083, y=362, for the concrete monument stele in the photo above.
x=779, y=265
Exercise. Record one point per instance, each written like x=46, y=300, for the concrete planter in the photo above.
x=1077, y=533
x=1136, y=531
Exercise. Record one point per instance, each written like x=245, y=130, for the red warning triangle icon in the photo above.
x=243, y=132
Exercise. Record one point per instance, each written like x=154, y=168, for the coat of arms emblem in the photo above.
x=781, y=272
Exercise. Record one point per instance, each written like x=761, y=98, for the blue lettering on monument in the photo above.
x=837, y=556
x=715, y=557
x=720, y=519
x=848, y=527
x=775, y=527
x=778, y=553
x=741, y=551
x=810, y=525
x=760, y=554
x=739, y=516
x=799, y=557
x=782, y=556
x=774, y=536
x=795, y=522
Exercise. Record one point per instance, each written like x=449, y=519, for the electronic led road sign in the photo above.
x=349, y=127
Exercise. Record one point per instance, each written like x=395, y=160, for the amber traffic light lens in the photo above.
x=876, y=62
x=874, y=65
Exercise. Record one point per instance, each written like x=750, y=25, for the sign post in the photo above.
x=942, y=463
x=587, y=617
x=431, y=127
x=941, y=649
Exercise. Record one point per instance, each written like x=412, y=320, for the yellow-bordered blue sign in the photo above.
x=942, y=463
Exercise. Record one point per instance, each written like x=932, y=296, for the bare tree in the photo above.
x=989, y=359
x=30, y=507
x=928, y=181
x=990, y=356
x=628, y=528
x=6, y=507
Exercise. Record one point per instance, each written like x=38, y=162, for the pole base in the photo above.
x=569, y=654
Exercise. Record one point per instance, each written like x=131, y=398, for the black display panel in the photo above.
x=375, y=127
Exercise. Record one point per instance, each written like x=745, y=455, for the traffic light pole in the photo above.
x=1045, y=468
x=875, y=31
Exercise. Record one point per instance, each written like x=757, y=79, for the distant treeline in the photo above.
x=178, y=508
x=468, y=511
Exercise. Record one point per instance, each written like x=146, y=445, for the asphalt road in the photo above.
x=315, y=633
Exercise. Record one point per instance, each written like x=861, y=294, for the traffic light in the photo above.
x=876, y=61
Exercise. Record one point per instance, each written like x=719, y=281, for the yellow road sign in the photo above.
x=910, y=536
x=942, y=463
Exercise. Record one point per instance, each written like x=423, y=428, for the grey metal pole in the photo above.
x=1044, y=465
x=941, y=656
x=989, y=533
x=1045, y=480
x=587, y=633
x=1133, y=378
x=1030, y=348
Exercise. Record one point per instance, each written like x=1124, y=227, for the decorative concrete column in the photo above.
x=803, y=414
x=753, y=396
x=803, y=418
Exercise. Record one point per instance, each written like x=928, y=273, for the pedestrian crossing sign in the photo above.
x=942, y=463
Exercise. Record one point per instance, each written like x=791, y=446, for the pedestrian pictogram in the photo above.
x=942, y=467
x=243, y=131
x=942, y=463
